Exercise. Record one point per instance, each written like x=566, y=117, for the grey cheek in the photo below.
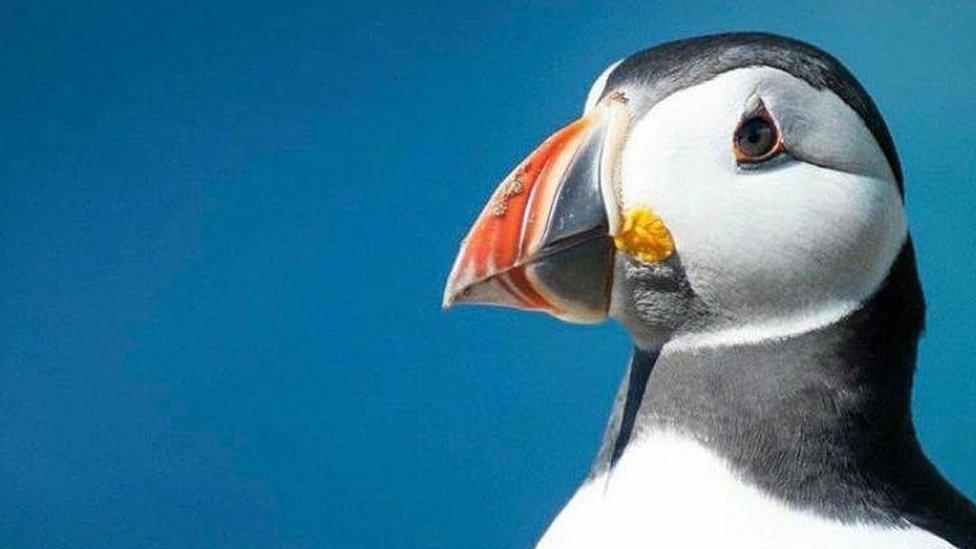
x=654, y=301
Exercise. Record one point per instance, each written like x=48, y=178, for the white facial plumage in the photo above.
x=773, y=249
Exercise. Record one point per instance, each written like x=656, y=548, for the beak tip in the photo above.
x=448, y=301
x=454, y=292
x=454, y=287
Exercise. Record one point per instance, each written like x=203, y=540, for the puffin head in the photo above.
x=728, y=188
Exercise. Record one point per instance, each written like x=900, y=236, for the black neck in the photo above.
x=821, y=420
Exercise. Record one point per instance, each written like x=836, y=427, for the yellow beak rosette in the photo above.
x=644, y=236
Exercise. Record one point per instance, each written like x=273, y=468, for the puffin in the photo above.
x=736, y=203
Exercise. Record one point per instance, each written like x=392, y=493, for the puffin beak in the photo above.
x=543, y=242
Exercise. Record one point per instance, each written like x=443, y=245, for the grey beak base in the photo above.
x=576, y=252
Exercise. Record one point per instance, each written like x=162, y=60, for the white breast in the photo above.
x=668, y=491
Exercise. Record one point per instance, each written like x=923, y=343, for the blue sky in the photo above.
x=224, y=230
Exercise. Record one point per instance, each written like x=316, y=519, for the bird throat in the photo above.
x=820, y=419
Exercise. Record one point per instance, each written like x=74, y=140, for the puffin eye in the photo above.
x=756, y=139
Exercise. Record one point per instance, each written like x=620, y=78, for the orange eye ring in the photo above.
x=757, y=138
